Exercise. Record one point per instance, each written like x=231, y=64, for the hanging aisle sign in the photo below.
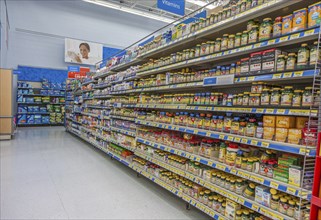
x=173, y=6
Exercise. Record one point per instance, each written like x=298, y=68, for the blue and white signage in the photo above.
x=173, y=6
x=219, y=80
x=73, y=69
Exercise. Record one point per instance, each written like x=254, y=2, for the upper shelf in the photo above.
x=294, y=38
x=272, y=7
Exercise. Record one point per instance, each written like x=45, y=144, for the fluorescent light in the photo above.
x=130, y=10
x=201, y=3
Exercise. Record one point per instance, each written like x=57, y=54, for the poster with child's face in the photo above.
x=82, y=52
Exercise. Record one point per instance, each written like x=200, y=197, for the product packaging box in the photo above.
x=314, y=15
x=294, y=136
x=30, y=109
x=29, y=100
x=245, y=66
x=269, y=133
x=45, y=119
x=268, y=121
x=281, y=134
x=287, y=24
x=20, y=98
x=22, y=109
x=231, y=208
x=285, y=122
x=295, y=174
x=30, y=119
x=263, y=195
x=37, y=99
x=255, y=63
x=38, y=119
x=281, y=173
x=269, y=60
x=299, y=20
x=43, y=109
x=22, y=119
x=300, y=122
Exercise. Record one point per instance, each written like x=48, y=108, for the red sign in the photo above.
x=81, y=74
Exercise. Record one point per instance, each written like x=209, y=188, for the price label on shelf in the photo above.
x=294, y=36
x=309, y=32
x=277, y=76
x=237, y=139
x=271, y=42
x=257, y=179
x=220, y=167
x=255, y=207
x=291, y=190
x=244, y=140
x=269, y=111
x=230, y=138
x=265, y=144
x=254, y=142
x=280, y=111
x=221, y=136
x=287, y=75
x=274, y=185
x=283, y=39
x=298, y=74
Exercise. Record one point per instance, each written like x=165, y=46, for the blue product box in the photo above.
x=36, y=108
x=22, y=109
x=30, y=119
x=38, y=119
x=43, y=109
x=53, y=85
x=20, y=98
x=22, y=119
x=30, y=92
x=44, y=92
x=29, y=100
x=45, y=119
x=30, y=109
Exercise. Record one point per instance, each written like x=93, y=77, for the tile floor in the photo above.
x=47, y=173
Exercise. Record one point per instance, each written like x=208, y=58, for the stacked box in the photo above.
x=38, y=119
x=30, y=119
x=22, y=119
x=22, y=109
x=255, y=63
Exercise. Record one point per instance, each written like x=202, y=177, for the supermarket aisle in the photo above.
x=46, y=173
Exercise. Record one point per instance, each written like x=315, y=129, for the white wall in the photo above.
x=38, y=29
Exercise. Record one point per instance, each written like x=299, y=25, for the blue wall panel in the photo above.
x=36, y=74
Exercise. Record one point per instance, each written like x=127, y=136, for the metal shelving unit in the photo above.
x=301, y=77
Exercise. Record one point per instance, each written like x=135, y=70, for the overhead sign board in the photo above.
x=173, y=6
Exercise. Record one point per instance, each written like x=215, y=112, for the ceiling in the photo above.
x=150, y=6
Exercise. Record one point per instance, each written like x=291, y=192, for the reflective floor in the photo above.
x=47, y=173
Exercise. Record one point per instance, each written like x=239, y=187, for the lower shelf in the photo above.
x=159, y=182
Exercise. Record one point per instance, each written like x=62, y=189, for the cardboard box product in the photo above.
x=255, y=63
x=269, y=121
x=231, y=208
x=30, y=119
x=281, y=134
x=22, y=119
x=314, y=14
x=245, y=66
x=300, y=122
x=281, y=173
x=268, y=133
x=299, y=20
x=287, y=24
x=263, y=195
x=22, y=109
x=295, y=174
x=269, y=60
x=294, y=136
x=285, y=121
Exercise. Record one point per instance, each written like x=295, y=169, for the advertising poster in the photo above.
x=82, y=52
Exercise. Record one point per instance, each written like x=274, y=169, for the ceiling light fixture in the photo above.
x=130, y=10
x=202, y=4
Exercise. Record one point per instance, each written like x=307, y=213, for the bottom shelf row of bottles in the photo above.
x=206, y=194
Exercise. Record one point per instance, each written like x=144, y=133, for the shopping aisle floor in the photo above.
x=47, y=173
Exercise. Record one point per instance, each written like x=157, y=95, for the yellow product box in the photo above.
x=314, y=14
x=231, y=208
x=300, y=122
x=295, y=174
x=281, y=134
x=294, y=136
x=299, y=20
x=287, y=24
x=285, y=122
x=268, y=121
x=268, y=133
